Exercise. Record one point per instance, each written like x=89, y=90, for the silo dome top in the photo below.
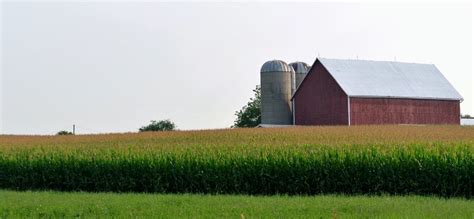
x=300, y=67
x=275, y=66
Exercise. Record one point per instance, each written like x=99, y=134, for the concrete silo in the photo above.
x=293, y=80
x=276, y=84
x=301, y=69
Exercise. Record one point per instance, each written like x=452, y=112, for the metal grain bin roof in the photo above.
x=300, y=67
x=362, y=78
x=275, y=66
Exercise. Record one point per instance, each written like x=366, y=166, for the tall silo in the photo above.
x=276, y=84
x=293, y=80
x=301, y=69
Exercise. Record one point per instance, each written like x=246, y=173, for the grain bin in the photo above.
x=276, y=84
x=301, y=69
x=293, y=80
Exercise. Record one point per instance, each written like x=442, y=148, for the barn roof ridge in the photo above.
x=388, y=79
x=374, y=60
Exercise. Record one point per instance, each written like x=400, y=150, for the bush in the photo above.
x=64, y=133
x=250, y=115
x=163, y=125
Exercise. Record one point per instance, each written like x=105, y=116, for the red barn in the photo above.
x=359, y=92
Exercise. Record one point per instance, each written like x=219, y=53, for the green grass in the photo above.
x=56, y=204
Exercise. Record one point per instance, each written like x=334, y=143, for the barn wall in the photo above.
x=319, y=100
x=403, y=111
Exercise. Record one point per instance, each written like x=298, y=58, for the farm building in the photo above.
x=356, y=92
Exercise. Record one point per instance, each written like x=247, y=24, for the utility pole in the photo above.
x=73, y=129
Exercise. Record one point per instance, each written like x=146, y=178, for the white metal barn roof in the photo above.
x=362, y=78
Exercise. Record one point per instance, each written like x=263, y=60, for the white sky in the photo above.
x=113, y=67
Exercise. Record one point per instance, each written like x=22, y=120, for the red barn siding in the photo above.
x=403, y=111
x=320, y=100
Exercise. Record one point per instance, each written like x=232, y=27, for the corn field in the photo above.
x=424, y=160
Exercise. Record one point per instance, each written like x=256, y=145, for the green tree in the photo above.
x=64, y=133
x=163, y=125
x=250, y=115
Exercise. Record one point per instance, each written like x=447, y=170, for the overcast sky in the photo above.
x=113, y=67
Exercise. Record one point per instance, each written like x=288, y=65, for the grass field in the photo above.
x=57, y=204
x=399, y=160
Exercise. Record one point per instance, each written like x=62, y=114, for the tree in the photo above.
x=250, y=115
x=466, y=116
x=64, y=133
x=163, y=125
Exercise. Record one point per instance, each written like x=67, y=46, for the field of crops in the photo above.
x=434, y=160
